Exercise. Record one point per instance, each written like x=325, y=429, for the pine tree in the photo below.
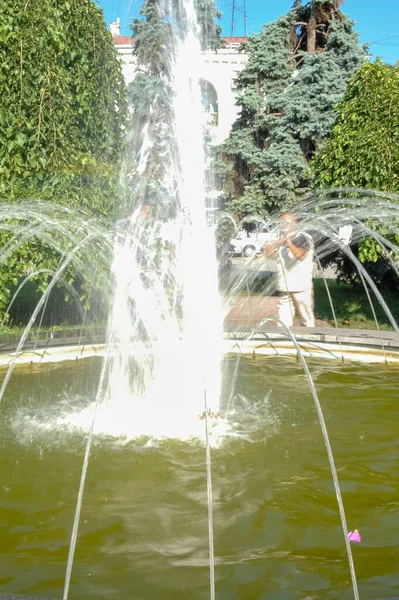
x=298, y=69
x=210, y=31
x=151, y=95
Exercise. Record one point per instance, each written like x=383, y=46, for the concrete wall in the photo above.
x=221, y=68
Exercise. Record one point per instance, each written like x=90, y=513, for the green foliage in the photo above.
x=151, y=96
x=207, y=15
x=62, y=117
x=363, y=152
x=287, y=92
x=149, y=35
x=62, y=104
x=351, y=305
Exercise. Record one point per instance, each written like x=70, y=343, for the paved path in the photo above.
x=249, y=311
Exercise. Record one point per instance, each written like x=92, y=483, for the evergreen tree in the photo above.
x=151, y=96
x=210, y=31
x=298, y=69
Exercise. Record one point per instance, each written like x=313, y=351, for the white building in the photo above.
x=219, y=70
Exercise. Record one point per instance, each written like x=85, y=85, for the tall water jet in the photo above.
x=166, y=321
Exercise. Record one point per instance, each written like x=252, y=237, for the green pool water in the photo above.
x=143, y=532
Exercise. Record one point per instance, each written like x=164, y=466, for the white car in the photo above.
x=248, y=244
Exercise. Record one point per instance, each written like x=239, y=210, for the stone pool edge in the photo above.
x=358, y=345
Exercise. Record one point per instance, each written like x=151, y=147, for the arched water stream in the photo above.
x=201, y=476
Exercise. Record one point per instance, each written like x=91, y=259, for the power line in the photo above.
x=383, y=39
x=235, y=8
x=377, y=22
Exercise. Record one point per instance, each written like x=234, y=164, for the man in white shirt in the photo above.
x=294, y=252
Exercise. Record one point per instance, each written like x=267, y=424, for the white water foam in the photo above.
x=66, y=416
x=173, y=308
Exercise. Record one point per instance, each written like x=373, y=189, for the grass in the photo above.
x=45, y=331
x=352, y=307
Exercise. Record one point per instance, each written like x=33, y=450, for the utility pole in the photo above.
x=242, y=8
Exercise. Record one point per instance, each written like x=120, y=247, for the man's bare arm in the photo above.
x=298, y=253
x=271, y=248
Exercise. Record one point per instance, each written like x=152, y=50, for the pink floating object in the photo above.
x=354, y=536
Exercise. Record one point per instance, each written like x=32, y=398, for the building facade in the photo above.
x=219, y=70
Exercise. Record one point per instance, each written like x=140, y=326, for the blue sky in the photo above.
x=377, y=22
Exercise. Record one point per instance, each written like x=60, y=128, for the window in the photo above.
x=210, y=102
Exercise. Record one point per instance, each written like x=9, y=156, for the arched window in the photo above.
x=210, y=102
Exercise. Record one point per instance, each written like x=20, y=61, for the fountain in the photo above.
x=150, y=519
x=328, y=217
x=168, y=384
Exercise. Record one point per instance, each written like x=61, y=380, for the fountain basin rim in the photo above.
x=315, y=349
x=18, y=597
x=322, y=343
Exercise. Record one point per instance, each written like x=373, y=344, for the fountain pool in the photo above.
x=143, y=531
x=145, y=527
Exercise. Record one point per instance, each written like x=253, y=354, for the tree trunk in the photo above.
x=311, y=41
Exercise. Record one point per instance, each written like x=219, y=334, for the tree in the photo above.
x=63, y=108
x=363, y=149
x=151, y=98
x=363, y=152
x=207, y=15
x=298, y=69
x=62, y=117
x=150, y=101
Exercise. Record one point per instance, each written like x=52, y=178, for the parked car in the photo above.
x=247, y=244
